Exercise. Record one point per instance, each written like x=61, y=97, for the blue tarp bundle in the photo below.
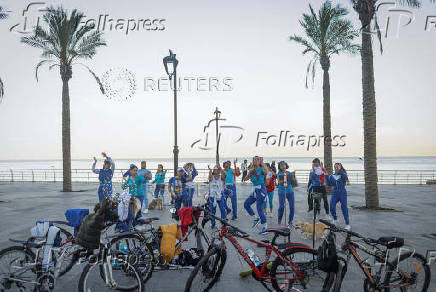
x=75, y=217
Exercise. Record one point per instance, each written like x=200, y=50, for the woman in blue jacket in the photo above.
x=105, y=177
x=339, y=194
x=285, y=192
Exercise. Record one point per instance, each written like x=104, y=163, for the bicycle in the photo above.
x=143, y=245
x=21, y=265
x=395, y=276
x=112, y=267
x=295, y=264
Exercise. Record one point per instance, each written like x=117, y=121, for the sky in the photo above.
x=238, y=57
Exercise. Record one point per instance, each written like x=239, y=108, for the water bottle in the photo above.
x=124, y=248
x=115, y=263
x=253, y=256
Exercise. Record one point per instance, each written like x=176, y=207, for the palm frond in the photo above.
x=327, y=32
x=40, y=64
x=2, y=90
x=62, y=39
x=3, y=13
x=100, y=84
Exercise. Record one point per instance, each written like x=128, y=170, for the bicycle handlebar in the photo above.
x=224, y=222
x=335, y=228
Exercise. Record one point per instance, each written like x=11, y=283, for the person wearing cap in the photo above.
x=176, y=187
x=231, y=187
x=257, y=173
x=317, y=185
x=105, y=177
x=189, y=175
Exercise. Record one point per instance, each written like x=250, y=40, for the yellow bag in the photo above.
x=170, y=233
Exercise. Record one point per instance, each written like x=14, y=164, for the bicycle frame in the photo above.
x=351, y=247
x=259, y=273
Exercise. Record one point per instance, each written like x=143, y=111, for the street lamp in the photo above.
x=170, y=63
x=217, y=117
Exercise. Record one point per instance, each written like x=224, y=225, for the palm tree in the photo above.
x=327, y=33
x=3, y=15
x=62, y=43
x=367, y=10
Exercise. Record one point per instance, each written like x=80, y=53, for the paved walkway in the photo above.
x=21, y=204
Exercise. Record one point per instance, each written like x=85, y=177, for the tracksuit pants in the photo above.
x=258, y=196
x=339, y=196
x=291, y=201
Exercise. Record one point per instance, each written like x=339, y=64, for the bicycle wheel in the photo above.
x=286, y=278
x=138, y=253
x=126, y=277
x=71, y=253
x=207, y=271
x=409, y=272
x=18, y=263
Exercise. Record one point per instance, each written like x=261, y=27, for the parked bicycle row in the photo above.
x=126, y=261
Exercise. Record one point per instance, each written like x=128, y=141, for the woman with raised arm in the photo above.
x=105, y=177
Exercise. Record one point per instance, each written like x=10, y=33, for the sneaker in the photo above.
x=348, y=227
x=262, y=231
x=229, y=211
x=270, y=215
x=234, y=218
x=255, y=222
x=145, y=211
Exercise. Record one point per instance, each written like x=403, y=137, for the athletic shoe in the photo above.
x=262, y=231
x=255, y=222
x=270, y=215
x=348, y=227
x=229, y=211
x=234, y=218
x=145, y=211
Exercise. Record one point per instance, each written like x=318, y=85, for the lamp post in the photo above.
x=217, y=135
x=170, y=63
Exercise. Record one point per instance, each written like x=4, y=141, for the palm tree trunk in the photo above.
x=66, y=137
x=327, y=124
x=369, y=121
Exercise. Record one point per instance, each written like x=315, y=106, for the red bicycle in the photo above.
x=295, y=264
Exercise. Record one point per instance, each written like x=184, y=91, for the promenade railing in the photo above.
x=392, y=177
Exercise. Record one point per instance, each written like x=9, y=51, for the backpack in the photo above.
x=327, y=257
x=189, y=257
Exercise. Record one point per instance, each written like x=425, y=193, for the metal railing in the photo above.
x=392, y=177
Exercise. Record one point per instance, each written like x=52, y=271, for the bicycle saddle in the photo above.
x=279, y=231
x=391, y=241
x=145, y=220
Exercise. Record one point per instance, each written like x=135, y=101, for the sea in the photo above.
x=295, y=163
